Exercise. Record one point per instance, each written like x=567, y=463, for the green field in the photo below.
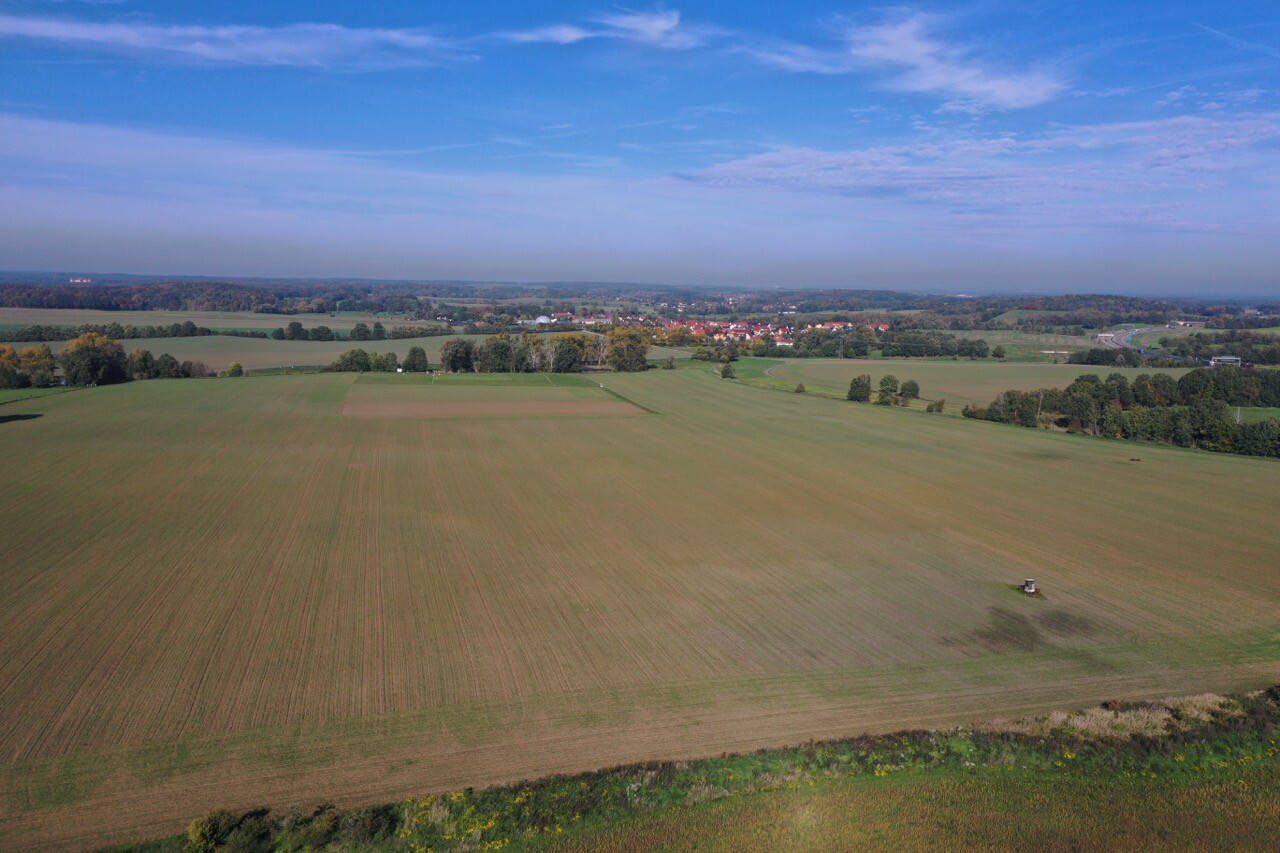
x=958, y=382
x=11, y=395
x=957, y=811
x=298, y=589
x=1024, y=346
x=1253, y=414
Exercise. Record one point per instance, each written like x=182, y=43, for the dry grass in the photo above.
x=223, y=593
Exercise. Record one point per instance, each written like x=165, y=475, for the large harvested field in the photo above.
x=226, y=593
x=958, y=382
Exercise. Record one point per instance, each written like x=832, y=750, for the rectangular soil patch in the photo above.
x=489, y=409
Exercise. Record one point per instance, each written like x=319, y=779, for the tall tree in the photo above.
x=415, y=361
x=888, y=390
x=860, y=389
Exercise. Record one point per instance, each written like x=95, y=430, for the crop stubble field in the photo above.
x=226, y=593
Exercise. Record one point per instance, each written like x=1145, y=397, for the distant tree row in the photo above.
x=360, y=332
x=622, y=349
x=1253, y=347
x=1194, y=411
x=111, y=330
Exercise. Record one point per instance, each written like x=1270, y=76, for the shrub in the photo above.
x=800, y=389
x=206, y=833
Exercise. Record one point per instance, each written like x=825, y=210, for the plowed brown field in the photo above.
x=224, y=593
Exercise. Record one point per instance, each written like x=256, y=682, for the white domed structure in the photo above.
x=542, y=318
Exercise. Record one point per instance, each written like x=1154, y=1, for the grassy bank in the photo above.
x=1194, y=771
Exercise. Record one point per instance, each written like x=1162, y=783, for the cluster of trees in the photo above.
x=918, y=343
x=889, y=393
x=1194, y=411
x=89, y=359
x=1253, y=347
x=31, y=367
x=141, y=364
x=622, y=349
x=360, y=361
x=110, y=330
x=504, y=353
x=1107, y=357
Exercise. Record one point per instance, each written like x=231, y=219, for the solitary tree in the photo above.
x=800, y=389
x=726, y=372
x=379, y=332
x=888, y=390
x=415, y=361
x=860, y=389
x=910, y=389
x=235, y=368
x=998, y=352
x=670, y=363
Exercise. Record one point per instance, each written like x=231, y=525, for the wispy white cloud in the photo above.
x=916, y=60
x=299, y=45
x=661, y=29
x=928, y=65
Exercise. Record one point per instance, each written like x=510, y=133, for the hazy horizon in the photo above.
x=980, y=148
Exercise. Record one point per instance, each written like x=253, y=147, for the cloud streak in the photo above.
x=296, y=45
x=917, y=61
x=660, y=29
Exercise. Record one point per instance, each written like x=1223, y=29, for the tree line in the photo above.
x=359, y=332
x=1193, y=411
x=116, y=331
x=1253, y=347
x=621, y=349
x=90, y=359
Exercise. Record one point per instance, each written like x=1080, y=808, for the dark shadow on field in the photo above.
x=1009, y=631
x=4, y=419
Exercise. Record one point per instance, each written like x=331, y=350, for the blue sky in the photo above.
x=975, y=147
